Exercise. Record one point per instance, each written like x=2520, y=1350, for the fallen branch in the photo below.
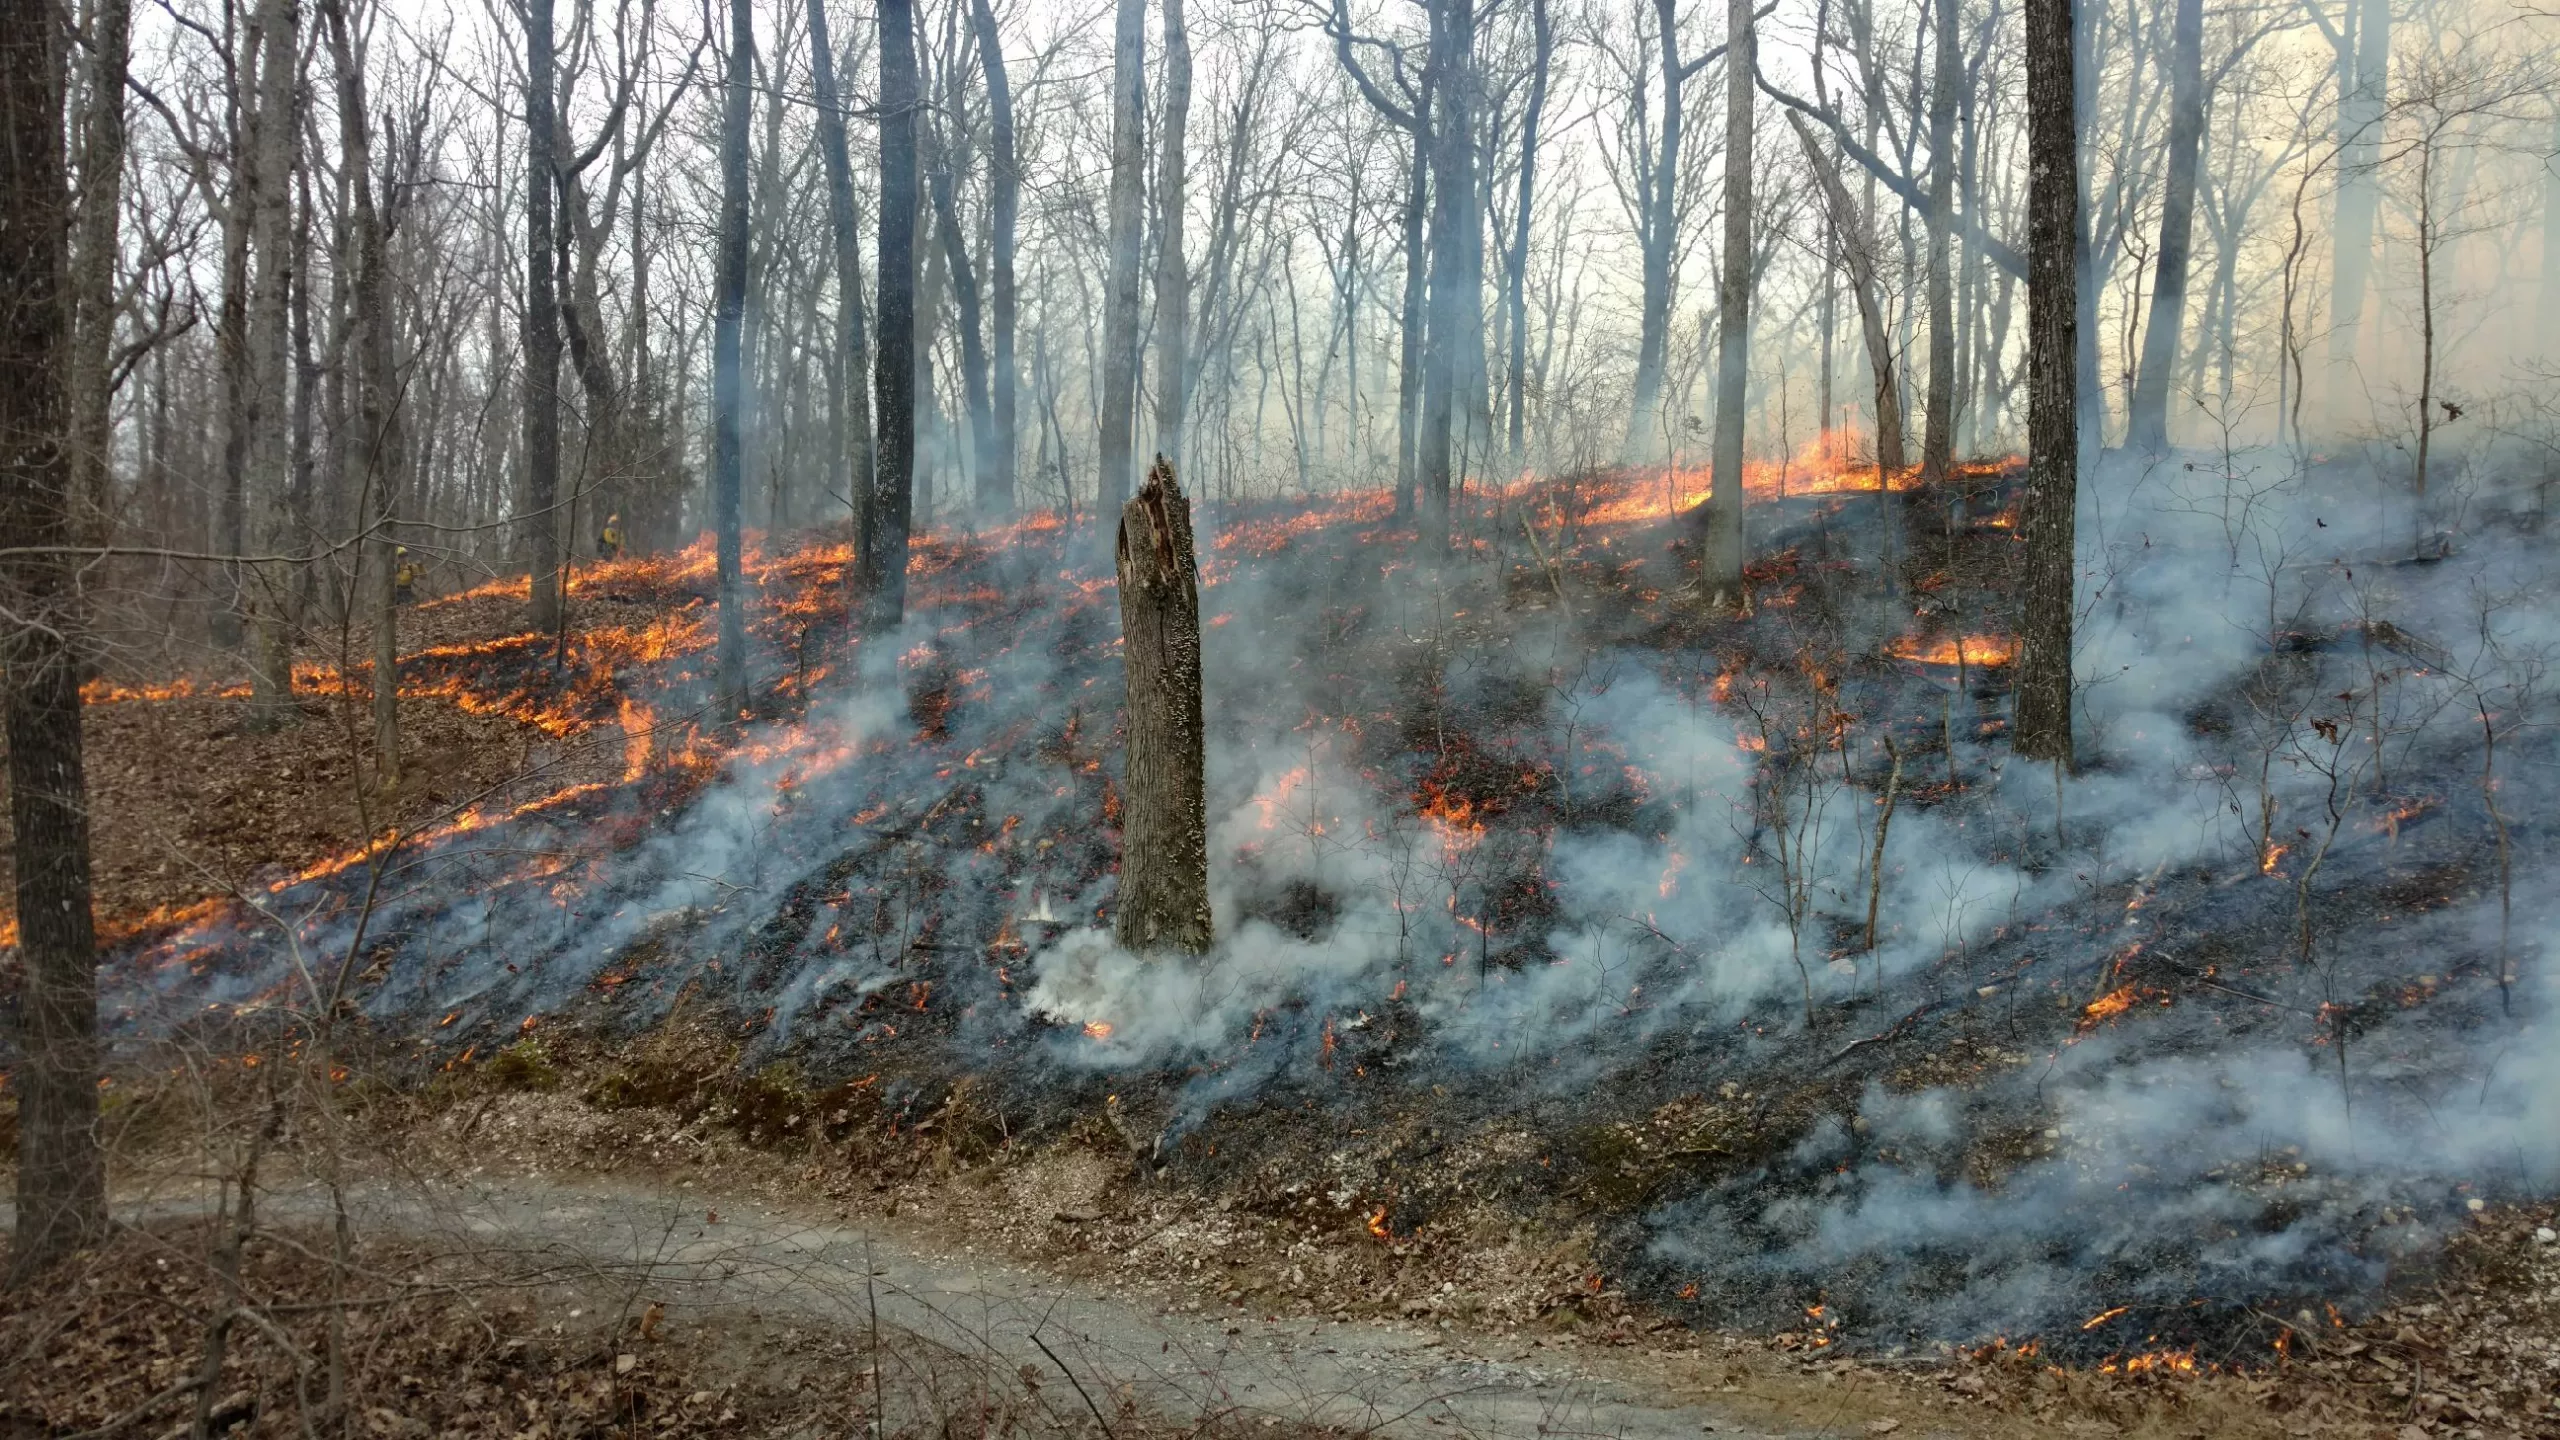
x=1894, y=1031
x=183, y=1387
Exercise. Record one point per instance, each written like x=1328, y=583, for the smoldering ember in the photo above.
x=1614, y=717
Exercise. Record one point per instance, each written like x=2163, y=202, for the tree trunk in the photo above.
x=231, y=344
x=1720, y=547
x=1653, y=326
x=1938, y=409
x=93, y=268
x=1173, y=281
x=972, y=322
x=1827, y=322
x=849, y=423
x=1516, y=282
x=270, y=461
x=1164, y=827
x=302, y=507
x=894, y=374
x=541, y=323
x=2550, y=327
x=376, y=453
x=1409, y=337
x=1004, y=201
x=728, y=359
x=1857, y=252
x=2361, y=87
x=1120, y=304
x=61, y=1194
x=2047, y=518
x=2147, y=424
x=1452, y=185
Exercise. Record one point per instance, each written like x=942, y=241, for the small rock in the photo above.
x=1079, y=1216
x=2545, y=1235
x=625, y=1363
x=2475, y=1206
x=1883, y=1427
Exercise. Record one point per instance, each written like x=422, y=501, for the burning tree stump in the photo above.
x=1164, y=848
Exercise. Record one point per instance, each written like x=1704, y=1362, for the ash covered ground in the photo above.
x=1746, y=938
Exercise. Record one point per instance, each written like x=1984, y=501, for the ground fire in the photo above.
x=1008, y=721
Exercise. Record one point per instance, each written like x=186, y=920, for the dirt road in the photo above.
x=702, y=1257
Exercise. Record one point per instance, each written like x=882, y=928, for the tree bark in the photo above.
x=1453, y=185
x=1004, y=202
x=2147, y=426
x=1164, y=834
x=270, y=460
x=1938, y=407
x=1120, y=303
x=728, y=345
x=1653, y=324
x=231, y=341
x=377, y=451
x=894, y=372
x=1720, y=548
x=849, y=423
x=1173, y=280
x=1409, y=337
x=98, y=209
x=1516, y=282
x=541, y=323
x=61, y=1185
x=2047, y=511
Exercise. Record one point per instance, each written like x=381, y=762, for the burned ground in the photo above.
x=1513, y=920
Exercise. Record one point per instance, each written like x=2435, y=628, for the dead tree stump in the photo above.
x=1164, y=835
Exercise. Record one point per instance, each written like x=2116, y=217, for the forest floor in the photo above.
x=191, y=804
x=523, y=1221
x=534, y=1262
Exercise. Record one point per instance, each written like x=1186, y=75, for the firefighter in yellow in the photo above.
x=609, y=539
x=404, y=577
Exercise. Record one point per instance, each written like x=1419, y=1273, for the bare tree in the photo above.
x=270, y=458
x=1004, y=201
x=963, y=275
x=2363, y=52
x=849, y=422
x=2147, y=418
x=1720, y=548
x=1858, y=256
x=1173, y=281
x=884, y=561
x=541, y=323
x=1543, y=46
x=2047, y=520
x=61, y=1194
x=97, y=209
x=1938, y=408
x=727, y=362
x=376, y=454
x=1120, y=305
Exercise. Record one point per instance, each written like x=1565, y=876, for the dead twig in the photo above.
x=119, y=1423
x=1072, y=1380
